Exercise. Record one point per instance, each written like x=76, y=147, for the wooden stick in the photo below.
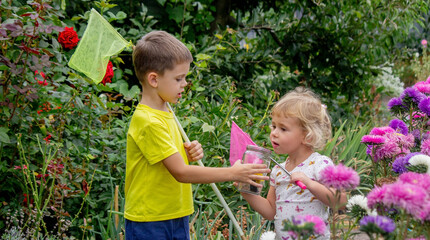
x=214, y=187
x=116, y=206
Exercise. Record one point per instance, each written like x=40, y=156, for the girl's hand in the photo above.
x=194, y=151
x=247, y=173
x=299, y=176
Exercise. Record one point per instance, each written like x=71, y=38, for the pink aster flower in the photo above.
x=387, y=150
x=339, y=177
x=405, y=196
x=373, y=139
x=381, y=131
x=375, y=196
x=425, y=147
x=319, y=225
x=424, y=214
x=419, y=179
x=423, y=87
x=424, y=43
x=428, y=79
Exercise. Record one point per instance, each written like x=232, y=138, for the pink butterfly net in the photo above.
x=238, y=142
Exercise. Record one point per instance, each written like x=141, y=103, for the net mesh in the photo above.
x=99, y=42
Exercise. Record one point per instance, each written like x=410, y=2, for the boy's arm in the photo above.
x=265, y=206
x=196, y=174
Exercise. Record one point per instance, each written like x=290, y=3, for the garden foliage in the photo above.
x=62, y=138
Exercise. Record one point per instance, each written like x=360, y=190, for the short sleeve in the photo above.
x=156, y=143
x=322, y=162
x=273, y=175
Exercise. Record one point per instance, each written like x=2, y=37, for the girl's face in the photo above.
x=287, y=135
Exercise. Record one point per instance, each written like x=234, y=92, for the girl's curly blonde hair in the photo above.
x=306, y=106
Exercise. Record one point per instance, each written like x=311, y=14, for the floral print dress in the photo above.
x=291, y=200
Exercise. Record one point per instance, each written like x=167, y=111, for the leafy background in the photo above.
x=246, y=56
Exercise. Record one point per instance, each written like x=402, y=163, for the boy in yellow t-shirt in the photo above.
x=158, y=196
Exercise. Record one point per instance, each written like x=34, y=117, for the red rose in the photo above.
x=68, y=38
x=109, y=74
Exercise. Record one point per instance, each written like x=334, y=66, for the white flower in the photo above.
x=360, y=201
x=420, y=159
x=269, y=235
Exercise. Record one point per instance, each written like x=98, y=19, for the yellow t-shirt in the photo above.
x=151, y=192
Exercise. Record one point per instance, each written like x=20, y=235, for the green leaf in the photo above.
x=175, y=13
x=208, y=128
x=3, y=135
x=121, y=15
x=161, y=2
x=3, y=67
x=202, y=56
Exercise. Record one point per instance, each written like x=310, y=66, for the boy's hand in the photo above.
x=194, y=151
x=247, y=173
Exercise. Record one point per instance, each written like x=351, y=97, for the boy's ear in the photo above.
x=152, y=79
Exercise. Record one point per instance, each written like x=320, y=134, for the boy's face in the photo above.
x=172, y=83
x=287, y=135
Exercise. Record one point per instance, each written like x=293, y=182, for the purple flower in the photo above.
x=411, y=95
x=400, y=164
x=425, y=147
x=385, y=224
x=399, y=126
x=396, y=105
x=381, y=131
x=375, y=196
x=372, y=139
x=416, y=133
x=406, y=196
x=339, y=177
x=422, y=87
x=424, y=106
x=319, y=225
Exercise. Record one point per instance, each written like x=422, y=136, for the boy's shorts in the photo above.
x=174, y=229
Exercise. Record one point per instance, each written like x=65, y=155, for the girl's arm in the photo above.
x=324, y=194
x=265, y=206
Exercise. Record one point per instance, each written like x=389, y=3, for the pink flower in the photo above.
x=425, y=147
x=418, y=179
x=381, y=131
x=424, y=43
x=339, y=177
x=386, y=151
x=372, y=139
x=319, y=225
x=424, y=214
x=406, y=196
x=376, y=196
x=423, y=87
x=19, y=167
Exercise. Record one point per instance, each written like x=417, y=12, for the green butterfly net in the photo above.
x=99, y=42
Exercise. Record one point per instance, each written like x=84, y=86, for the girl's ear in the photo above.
x=152, y=79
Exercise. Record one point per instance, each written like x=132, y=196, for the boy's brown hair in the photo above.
x=158, y=51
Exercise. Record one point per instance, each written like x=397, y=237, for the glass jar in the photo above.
x=254, y=155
